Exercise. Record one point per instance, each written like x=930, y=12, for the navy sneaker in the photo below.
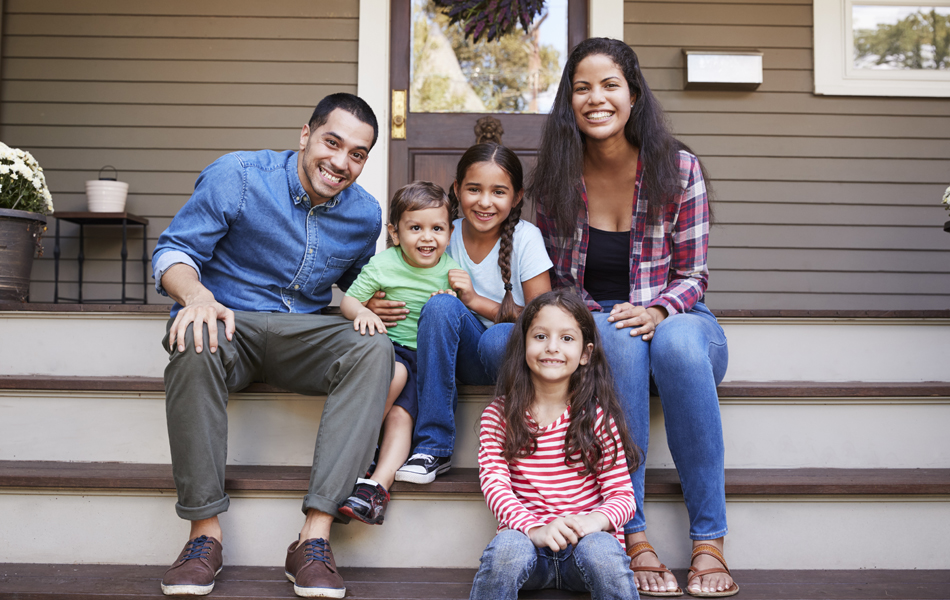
x=423, y=468
x=367, y=503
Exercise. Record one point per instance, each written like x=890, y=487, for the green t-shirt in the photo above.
x=389, y=272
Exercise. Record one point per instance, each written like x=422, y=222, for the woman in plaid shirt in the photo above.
x=622, y=207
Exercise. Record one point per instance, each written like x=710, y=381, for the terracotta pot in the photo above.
x=20, y=233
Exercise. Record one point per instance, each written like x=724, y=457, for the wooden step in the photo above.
x=732, y=389
x=747, y=482
x=107, y=582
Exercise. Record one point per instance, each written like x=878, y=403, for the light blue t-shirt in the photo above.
x=528, y=259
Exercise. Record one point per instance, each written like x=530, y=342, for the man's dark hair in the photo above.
x=354, y=105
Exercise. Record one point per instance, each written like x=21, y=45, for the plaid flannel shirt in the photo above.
x=667, y=259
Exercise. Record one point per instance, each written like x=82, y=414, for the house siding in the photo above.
x=159, y=90
x=820, y=202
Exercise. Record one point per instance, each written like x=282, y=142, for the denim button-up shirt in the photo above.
x=257, y=244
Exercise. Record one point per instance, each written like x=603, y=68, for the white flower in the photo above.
x=946, y=197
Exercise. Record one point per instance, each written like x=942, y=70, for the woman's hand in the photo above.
x=389, y=311
x=642, y=320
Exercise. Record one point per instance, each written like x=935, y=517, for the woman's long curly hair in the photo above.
x=507, y=161
x=556, y=179
x=590, y=385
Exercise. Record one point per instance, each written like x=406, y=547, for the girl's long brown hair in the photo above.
x=590, y=385
x=508, y=162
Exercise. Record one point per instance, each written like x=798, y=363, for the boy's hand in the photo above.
x=389, y=311
x=583, y=525
x=367, y=320
x=449, y=292
x=556, y=535
x=461, y=282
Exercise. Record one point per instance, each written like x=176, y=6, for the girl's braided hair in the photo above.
x=507, y=161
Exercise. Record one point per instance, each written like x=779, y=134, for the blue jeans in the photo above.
x=686, y=359
x=511, y=562
x=452, y=343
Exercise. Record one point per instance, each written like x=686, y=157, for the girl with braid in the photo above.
x=504, y=265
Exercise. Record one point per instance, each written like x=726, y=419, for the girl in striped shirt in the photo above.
x=554, y=461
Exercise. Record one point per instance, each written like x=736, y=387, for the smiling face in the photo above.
x=332, y=156
x=422, y=235
x=486, y=196
x=601, y=98
x=554, y=347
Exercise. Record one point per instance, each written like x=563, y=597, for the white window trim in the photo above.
x=834, y=57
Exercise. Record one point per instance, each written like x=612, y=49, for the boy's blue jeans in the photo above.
x=686, y=360
x=511, y=562
x=452, y=343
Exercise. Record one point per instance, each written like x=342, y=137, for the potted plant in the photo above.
x=946, y=204
x=24, y=203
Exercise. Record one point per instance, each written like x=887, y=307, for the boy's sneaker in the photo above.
x=367, y=503
x=422, y=468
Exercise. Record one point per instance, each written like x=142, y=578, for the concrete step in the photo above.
x=104, y=511
x=764, y=346
x=775, y=425
x=105, y=582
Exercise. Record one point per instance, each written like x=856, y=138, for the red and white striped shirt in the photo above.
x=534, y=490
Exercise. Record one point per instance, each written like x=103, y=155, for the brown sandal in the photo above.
x=638, y=549
x=714, y=552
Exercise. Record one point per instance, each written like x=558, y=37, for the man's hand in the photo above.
x=556, y=535
x=390, y=312
x=197, y=314
x=642, y=320
x=198, y=307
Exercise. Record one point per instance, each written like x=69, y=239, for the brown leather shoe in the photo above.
x=194, y=571
x=311, y=567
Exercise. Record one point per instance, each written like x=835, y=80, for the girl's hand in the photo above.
x=437, y=292
x=556, y=535
x=461, y=282
x=587, y=524
x=366, y=320
x=643, y=320
x=389, y=311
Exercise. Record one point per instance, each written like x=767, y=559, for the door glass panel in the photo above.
x=516, y=73
x=901, y=37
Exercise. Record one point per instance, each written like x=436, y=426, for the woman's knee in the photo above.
x=679, y=340
x=491, y=347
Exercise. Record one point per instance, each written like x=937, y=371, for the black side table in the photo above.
x=123, y=219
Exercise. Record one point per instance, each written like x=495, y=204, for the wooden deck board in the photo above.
x=102, y=582
x=78, y=475
x=736, y=389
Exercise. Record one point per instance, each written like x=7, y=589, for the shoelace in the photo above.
x=316, y=549
x=200, y=547
x=422, y=457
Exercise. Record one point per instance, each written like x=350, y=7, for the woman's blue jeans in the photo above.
x=686, y=360
x=597, y=565
x=452, y=343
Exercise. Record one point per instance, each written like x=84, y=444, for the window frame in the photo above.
x=835, y=74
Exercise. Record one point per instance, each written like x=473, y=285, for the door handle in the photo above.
x=399, y=115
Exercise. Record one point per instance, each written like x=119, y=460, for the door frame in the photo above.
x=604, y=18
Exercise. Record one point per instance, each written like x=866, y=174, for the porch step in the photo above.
x=763, y=345
x=104, y=508
x=766, y=424
x=252, y=478
x=106, y=582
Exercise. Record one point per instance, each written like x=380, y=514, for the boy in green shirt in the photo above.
x=413, y=270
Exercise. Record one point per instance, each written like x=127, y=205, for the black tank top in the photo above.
x=607, y=271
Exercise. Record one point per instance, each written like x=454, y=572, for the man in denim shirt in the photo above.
x=250, y=261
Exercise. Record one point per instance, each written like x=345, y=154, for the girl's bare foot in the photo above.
x=713, y=582
x=649, y=581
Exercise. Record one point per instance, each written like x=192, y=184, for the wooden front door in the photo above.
x=435, y=140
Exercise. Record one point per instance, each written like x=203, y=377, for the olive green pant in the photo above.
x=308, y=354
